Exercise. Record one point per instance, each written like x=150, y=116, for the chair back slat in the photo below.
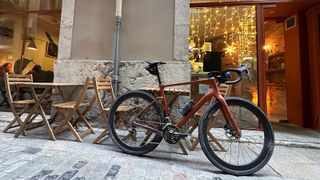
x=83, y=92
x=10, y=78
x=104, y=87
x=225, y=89
x=20, y=78
x=103, y=84
x=91, y=84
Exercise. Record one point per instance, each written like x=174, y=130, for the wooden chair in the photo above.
x=104, y=85
x=18, y=107
x=225, y=91
x=69, y=110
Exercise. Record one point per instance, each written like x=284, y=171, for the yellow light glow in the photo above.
x=230, y=49
x=192, y=44
x=267, y=48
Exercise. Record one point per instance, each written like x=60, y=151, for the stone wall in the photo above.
x=132, y=76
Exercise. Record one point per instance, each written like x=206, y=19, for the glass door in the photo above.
x=225, y=37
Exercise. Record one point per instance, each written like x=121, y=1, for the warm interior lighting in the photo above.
x=254, y=96
x=206, y=47
x=267, y=48
x=191, y=44
x=230, y=49
x=235, y=25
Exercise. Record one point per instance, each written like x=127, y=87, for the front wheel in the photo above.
x=238, y=156
x=129, y=109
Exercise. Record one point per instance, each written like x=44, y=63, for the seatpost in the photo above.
x=158, y=76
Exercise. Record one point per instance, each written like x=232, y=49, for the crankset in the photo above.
x=172, y=134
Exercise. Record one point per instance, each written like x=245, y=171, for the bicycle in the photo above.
x=142, y=128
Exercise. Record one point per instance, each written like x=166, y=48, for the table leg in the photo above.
x=172, y=100
x=182, y=148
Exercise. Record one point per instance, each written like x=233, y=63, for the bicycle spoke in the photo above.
x=240, y=152
x=137, y=110
x=246, y=152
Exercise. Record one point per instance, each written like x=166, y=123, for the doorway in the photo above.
x=287, y=62
x=275, y=70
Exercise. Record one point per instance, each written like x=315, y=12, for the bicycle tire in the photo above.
x=141, y=150
x=238, y=170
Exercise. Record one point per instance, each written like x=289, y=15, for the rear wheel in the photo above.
x=242, y=156
x=139, y=107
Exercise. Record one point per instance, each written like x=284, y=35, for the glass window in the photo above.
x=225, y=37
x=34, y=41
x=13, y=5
x=41, y=46
x=11, y=28
x=44, y=4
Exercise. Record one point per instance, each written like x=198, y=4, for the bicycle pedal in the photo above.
x=182, y=135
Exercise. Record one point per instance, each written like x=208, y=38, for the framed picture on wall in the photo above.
x=51, y=50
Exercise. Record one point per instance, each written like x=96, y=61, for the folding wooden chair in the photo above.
x=69, y=110
x=104, y=86
x=225, y=91
x=18, y=107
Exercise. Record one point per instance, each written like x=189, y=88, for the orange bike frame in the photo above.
x=213, y=92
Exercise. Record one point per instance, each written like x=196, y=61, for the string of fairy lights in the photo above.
x=235, y=25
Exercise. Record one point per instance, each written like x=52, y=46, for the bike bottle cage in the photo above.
x=152, y=68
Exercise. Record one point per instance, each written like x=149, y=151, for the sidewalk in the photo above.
x=296, y=156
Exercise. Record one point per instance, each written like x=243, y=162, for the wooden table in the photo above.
x=39, y=99
x=174, y=93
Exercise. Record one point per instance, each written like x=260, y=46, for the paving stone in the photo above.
x=31, y=150
x=48, y=152
x=112, y=173
x=68, y=175
x=79, y=178
x=41, y=174
x=51, y=177
x=36, y=157
x=79, y=164
x=95, y=170
x=14, y=166
x=41, y=162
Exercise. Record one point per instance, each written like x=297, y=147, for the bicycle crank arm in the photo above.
x=182, y=135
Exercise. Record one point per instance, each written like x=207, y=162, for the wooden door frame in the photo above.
x=313, y=24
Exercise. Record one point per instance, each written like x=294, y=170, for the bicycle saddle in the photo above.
x=152, y=68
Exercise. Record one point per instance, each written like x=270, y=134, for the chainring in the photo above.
x=171, y=134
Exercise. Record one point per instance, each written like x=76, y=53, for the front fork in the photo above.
x=230, y=119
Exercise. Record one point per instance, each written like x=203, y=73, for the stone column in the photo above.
x=181, y=30
x=66, y=28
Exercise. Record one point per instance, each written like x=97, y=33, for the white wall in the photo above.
x=147, y=31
